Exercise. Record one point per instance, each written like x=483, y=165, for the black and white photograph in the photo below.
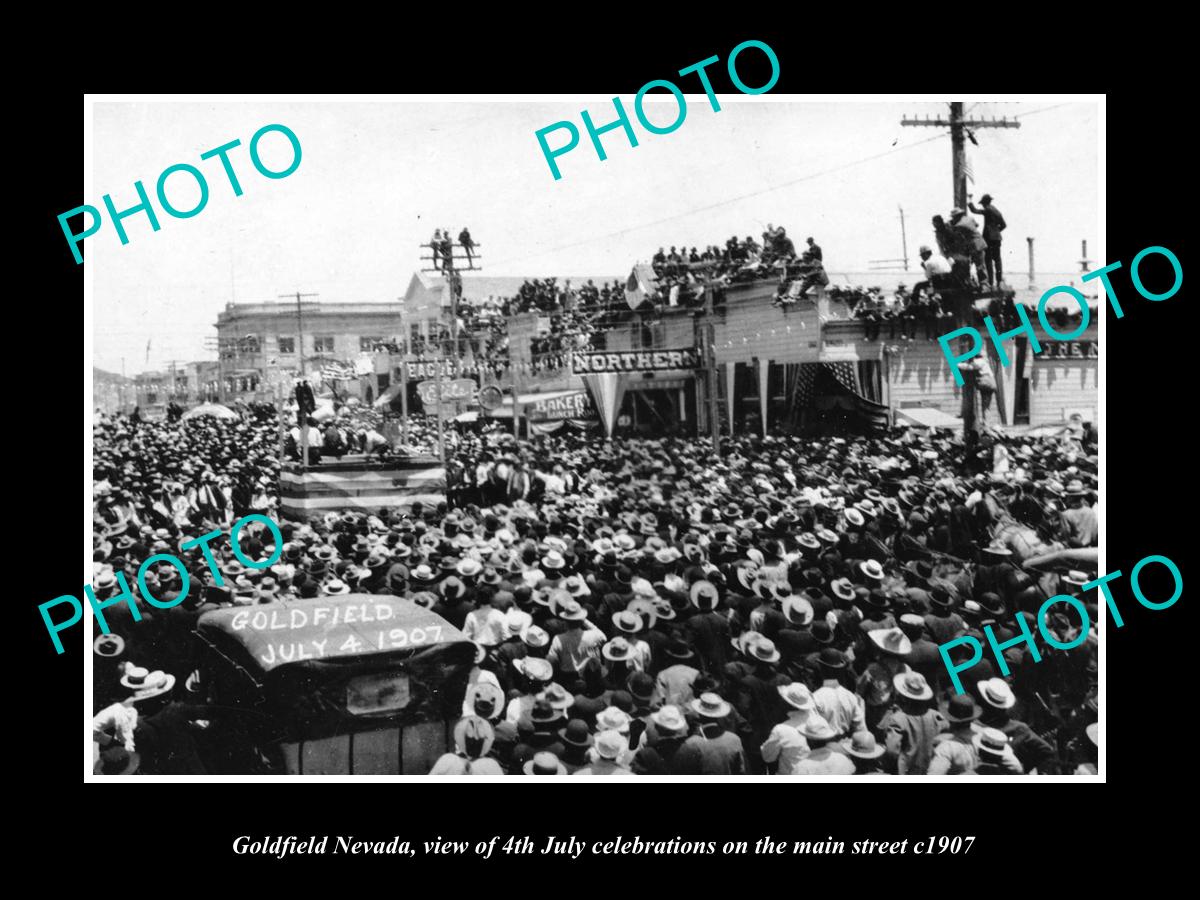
x=451, y=436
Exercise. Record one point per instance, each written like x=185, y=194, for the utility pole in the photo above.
x=903, y=237
x=710, y=363
x=299, y=325
x=302, y=426
x=454, y=282
x=404, y=372
x=961, y=129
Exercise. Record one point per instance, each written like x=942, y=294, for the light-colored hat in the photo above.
x=1076, y=578
x=109, y=645
x=991, y=741
x=816, y=728
x=618, y=650
x=516, y=621
x=912, y=685
x=996, y=692
x=335, y=587
x=473, y=736
x=613, y=719
x=798, y=610
x=534, y=667
x=796, y=694
x=872, y=569
x=553, y=560
x=891, y=640
x=669, y=718
x=854, y=517
x=544, y=763
x=611, y=744
x=711, y=706
x=763, y=650
x=863, y=746
x=535, y=636
x=468, y=567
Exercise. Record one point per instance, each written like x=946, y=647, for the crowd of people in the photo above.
x=643, y=607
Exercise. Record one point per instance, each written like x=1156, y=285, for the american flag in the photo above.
x=336, y=371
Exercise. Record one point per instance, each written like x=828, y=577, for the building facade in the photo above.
x=810, y=364
x=263, y=346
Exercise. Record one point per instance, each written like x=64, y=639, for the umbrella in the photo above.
x=216, y=410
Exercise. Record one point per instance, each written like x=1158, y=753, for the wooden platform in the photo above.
x=356, y=483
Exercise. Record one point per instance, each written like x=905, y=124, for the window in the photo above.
x=415, y=331
x=287, y=345
x=151, y=397
x=651, y=336
x=368, y=344
x=322, y=345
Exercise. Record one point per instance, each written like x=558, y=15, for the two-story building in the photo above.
x=804, y=364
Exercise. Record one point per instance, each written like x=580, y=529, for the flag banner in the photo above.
x=764, y=374
x=337, y=371
x=586, y=362
x=608, y=392
x=640, y=285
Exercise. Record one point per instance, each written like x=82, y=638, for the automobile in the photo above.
x=342, y=685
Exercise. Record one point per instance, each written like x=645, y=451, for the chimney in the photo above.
x=1029, y=240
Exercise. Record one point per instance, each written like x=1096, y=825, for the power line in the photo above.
x=721, y=203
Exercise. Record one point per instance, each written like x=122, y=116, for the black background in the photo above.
x=1148, y=432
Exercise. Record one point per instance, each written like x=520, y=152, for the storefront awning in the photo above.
x=927, y=417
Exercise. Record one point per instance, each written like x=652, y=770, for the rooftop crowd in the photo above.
x=640, y=607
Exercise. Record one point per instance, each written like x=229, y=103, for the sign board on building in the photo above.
x=490, y=397
x=1069, y=350
x=458, y=389
x=576, y=405
x=420, y=369
x=587, y=363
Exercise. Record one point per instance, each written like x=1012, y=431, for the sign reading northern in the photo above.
x=635, y=361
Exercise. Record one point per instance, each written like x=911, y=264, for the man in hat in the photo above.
x=993, y=225
x=1034, y=753
x=786, y=745
x=954, y=752
x=713, y=750
x=995, y=754
x=608, y=755
x=757, y=699
x=837, y=705
x=473, y=739
x=1079, y=520
x=911, y=728
x=707, y=630
x=825, y=757
x=579, y=642
x=666, y=731
x=674, y=683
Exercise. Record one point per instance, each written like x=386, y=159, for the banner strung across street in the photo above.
x=635, y=361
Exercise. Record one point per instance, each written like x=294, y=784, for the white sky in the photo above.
x=377, y=177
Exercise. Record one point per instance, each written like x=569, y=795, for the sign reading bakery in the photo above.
x=1069, y=350
x=635, y=361
x=576, y=405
